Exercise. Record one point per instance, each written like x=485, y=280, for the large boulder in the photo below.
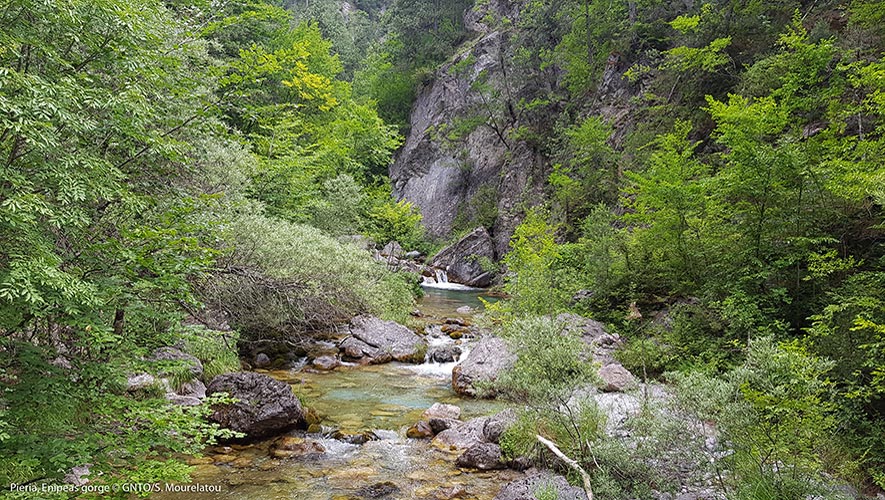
x=528, y=488
x=376, y=341
x=463, y=261
x=265, y=406
x=483, y=364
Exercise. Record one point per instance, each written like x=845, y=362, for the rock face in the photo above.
x=375, y=341
x=265, y=407
x=444, y=176
x=488, y=358
x=527, y=488
x=463, y=260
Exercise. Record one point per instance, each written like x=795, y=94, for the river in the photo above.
x=381, y=399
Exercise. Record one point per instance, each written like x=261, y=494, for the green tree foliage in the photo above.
x=420, y=35
x=135, y=137
x=774, y=411
x=740, y=198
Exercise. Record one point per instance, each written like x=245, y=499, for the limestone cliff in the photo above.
x=464, y=149
x=459, y=144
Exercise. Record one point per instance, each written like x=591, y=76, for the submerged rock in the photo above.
x=354, y=437
x=485, y=362
x=376, y=341
x=463, y=261
x=290, y=446
x=378, y=490
x=265, y=406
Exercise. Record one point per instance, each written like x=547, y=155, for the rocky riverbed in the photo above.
x=356, y=445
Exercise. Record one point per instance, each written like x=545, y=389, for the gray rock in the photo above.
x=464, y=310
x=444, y=354
x=485, y=362
x=483, y=456
x=78, y=476
x=600, y=344
x=326, y=363
x=265, y=406
x=139, y=381
x=442, y=410
x=392, y=249
x=358, y=240
x=463, y=260
x=616, y=378
x=438, y=425
x=193, y=388
x=528, y=487
x=414, y=254
x=378, y=490
x=172, y=354
x=582, y=295
x=262, y=360
x=463, y=435
x=375, y=341
x=497, y=424
x=183, y=400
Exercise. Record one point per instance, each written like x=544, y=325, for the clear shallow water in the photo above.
x=441, y=302
x=384, y=399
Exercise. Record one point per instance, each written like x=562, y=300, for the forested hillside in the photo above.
x=705, y=179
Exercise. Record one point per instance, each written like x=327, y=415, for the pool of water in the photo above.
x=438, y=302
x=382, y=399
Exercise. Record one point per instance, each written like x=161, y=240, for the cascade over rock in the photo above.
x=463, y=261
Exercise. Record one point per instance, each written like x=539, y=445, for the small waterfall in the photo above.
x=440, y=279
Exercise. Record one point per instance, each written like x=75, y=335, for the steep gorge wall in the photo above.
x=441, y=173
x=461, y=146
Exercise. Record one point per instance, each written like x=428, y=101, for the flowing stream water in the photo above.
x=382, y=399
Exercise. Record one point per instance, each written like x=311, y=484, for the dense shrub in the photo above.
x=282, y=278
